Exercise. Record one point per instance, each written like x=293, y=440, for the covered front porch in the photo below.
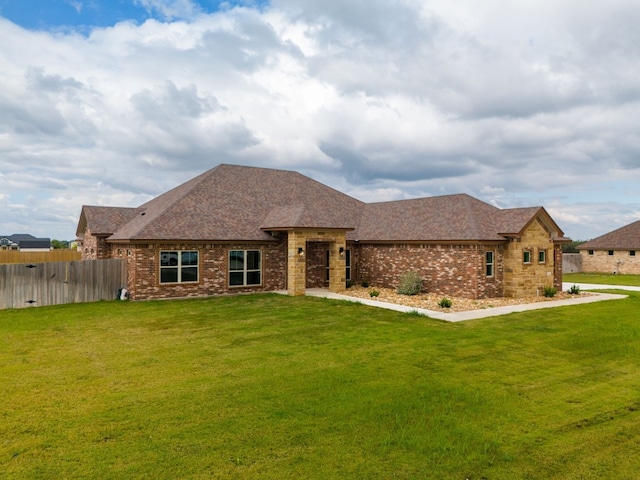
x=300, y=242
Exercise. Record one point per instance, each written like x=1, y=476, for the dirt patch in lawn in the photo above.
x=430, y=301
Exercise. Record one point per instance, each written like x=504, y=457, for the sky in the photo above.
x=519, y=104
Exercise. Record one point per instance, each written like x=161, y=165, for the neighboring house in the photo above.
x=614, y=252
x=25, y=243
x=245, y=229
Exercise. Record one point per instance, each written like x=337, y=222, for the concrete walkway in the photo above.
x=487, y=312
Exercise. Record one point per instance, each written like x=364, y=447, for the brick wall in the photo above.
x=316, y=265
x=456, y=270
x=144, y=269
x=94, y=248
x=620, y=262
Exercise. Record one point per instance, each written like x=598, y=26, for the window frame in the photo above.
x=347, y=260
x=489, y=266
x=179, y=266
x=246, y=272
x=526, y=257
x=327, y=264
x=542, y=256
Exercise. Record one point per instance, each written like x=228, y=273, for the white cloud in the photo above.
x=171, y=9
x=527, y=104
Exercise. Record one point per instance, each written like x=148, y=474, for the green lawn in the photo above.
x=277, y=387
x=602, y=278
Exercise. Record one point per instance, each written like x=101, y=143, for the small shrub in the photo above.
x=373, y=293
x=410, y=284
x=365, y=284
x=574, y=290
x=349, y=284
x=550, y=292
x=445, y=303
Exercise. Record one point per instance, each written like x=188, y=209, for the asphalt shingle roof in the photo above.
x=232, y=202
x=104, y=220
x=624, y=238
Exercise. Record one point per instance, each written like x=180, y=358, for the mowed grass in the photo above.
x=276, y=387
x=602, y=279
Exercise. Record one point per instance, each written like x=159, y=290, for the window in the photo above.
x=347, y=258
x=526, y=256
x=632, y=253
x=610, y=252
x=245, y=268
x=489, y=263
x=178, y=266
x=542, y=256
x=590, y=252
x=327, y=265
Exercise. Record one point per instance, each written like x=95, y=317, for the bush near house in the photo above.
x=410, y=284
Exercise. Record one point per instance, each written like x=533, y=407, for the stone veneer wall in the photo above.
x=144, y=265
x=529, y=279
x=621, y=262
x=456, y=270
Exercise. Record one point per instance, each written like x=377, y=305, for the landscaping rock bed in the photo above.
x=430, y=301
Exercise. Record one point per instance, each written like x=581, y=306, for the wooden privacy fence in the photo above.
x=39, y=284
x=58, y=255
x=571, y=263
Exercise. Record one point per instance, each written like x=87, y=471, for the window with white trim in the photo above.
x=542, y=256
x=526, y=256
x=489, y=262
x=245, y=268
x=178, y=266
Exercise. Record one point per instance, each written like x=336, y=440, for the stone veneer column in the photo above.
x=296, y=263
x=338, y=264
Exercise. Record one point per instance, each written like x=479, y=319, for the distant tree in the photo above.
x=59, y=243
x=572, y=247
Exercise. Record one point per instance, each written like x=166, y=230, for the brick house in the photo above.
x=614, y=252
x=245, y=229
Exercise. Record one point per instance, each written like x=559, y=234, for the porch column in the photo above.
x=338, y=263
x=296, y=263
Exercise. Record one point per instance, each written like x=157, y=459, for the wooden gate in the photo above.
x=39, y=284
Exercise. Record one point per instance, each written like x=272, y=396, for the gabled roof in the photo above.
x=624, y=238
x=103, y=221
x=229, y=203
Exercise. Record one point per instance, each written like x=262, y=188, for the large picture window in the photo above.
x=178, y=266
x=245, y=268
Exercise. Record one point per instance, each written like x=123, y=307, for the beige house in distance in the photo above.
x=239, y=229
x=614, y=252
